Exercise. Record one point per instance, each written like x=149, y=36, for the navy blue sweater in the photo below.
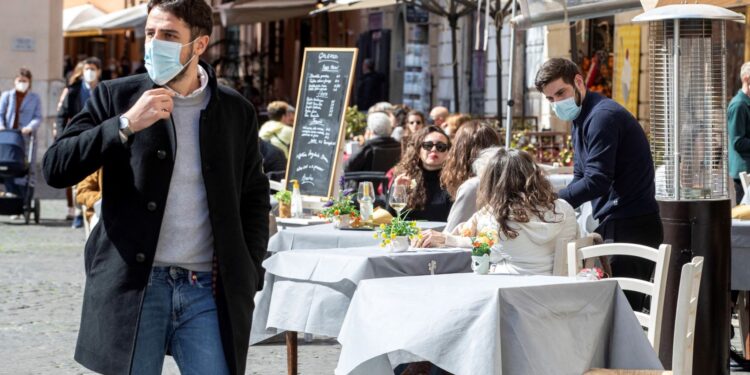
x=613, y=167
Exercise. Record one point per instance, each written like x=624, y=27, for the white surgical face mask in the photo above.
x=22, y=86
x=162, y=60
x=89, y=75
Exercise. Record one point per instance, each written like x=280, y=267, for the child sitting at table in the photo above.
x=519, y=204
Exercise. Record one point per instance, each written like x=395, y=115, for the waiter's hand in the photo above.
x=152, y=106
x=26, y=131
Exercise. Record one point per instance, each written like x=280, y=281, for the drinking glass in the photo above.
x=398, y=198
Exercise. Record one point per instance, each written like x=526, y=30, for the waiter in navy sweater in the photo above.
x=612, y=166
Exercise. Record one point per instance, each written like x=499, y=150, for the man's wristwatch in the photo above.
x=125, y=127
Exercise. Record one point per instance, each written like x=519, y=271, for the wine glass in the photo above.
x=365, y=197
x=398, y=198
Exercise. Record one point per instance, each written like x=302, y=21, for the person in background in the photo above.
x=459, y=178
x=521, y=210
x=73, y=77
x=377, y=136
x=400, y=113
x=612, y=167
x=453, y=122
x=423, y=163
x=274, y=161
x=125, y=67
x=438, y=115
x=738, y=123
x=289, y=116
x=275, y=130
x=21, y=109
x=78, y=93
x=141, y=68
x=371, y=86
x=88, y=193
x=111, y=71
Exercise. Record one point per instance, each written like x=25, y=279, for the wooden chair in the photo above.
x=652, y=321
x=684, y=328
x=560, y=264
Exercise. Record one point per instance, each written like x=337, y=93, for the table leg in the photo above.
x=291, y=353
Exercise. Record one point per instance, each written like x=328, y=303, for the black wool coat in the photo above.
x=120, y=251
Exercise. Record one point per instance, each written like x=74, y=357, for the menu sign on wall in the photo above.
x=319, y=122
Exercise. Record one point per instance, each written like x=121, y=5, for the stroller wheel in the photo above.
x=37, y=211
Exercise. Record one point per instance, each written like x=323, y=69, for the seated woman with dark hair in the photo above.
x=423, y=161
x=520, y=206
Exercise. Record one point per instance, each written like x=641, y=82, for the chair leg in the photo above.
x=291, y=353
x=743, y=313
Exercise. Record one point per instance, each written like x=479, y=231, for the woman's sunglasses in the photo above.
x=439, y=146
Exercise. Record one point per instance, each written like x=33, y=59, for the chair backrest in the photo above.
x=745, y=181
x=684, y=326
x=656, y=290
x=560, y=264
x=384, y=158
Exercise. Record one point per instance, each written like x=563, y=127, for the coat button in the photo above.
x=140, y=257
x=151, y=206
x=161, y=154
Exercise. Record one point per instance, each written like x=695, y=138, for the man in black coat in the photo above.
x=175, y=261
x=371, y=87
x=79, y=92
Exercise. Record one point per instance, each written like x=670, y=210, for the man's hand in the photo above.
x=152, y=106
x=26, y=131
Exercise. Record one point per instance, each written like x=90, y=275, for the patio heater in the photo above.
x=687, y=63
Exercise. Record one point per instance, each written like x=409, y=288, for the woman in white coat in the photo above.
x=519, y=204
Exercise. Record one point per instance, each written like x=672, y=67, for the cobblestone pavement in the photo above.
x=41, y=288
x=41, y=278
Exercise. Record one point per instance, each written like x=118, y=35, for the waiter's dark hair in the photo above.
x=196, y=13
x=554, y=69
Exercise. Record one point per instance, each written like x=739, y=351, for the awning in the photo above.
x=343, y=6
x=74, y=16
x=545, y=12
x=128, y=18
x=254, y=11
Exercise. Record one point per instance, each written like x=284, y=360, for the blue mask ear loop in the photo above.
x=192, y=55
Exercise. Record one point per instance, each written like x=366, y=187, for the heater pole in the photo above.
x=511, y=65
x=676, y=108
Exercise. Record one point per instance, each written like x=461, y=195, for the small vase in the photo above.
x=480, y=264
x=342, y=221
x=285, y=210
x=399, y=244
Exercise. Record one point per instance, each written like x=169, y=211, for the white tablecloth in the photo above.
x=740, y=254
x=325, y=236
x=491, y=325
x=310, y=291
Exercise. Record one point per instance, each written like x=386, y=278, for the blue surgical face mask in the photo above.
x=567, y=109
x=162, y=60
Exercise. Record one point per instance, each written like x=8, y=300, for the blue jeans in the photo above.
x=179, y=314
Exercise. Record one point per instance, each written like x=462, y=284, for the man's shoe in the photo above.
x=78, y=221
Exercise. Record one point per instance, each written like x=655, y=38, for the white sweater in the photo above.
x=533, y=251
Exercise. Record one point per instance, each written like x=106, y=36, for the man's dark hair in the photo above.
x=277, y=110
x=554, y=69
x=93, y=61
x=23, y=72
x=196, y=13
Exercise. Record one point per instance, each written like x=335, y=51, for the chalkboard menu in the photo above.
x=319, y=121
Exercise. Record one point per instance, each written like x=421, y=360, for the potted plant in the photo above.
x=341, y=210
x=285, y=203
x=481, y=249
x=397, y=235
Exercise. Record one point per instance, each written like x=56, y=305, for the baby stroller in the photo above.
x=15, y=163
